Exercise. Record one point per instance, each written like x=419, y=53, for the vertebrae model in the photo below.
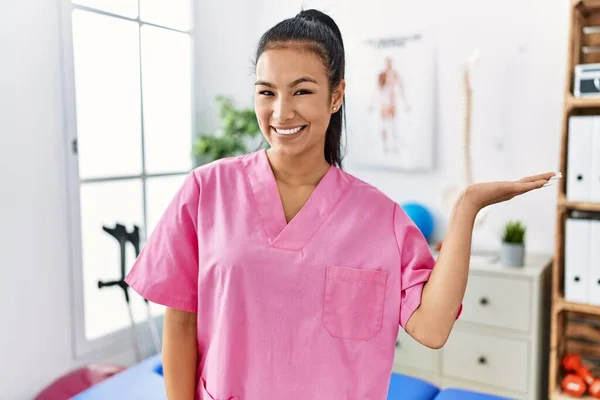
x=452, y=193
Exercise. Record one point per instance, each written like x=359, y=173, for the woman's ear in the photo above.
x=338, y=96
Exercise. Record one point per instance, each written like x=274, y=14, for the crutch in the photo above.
x=134, y=238
x=121, y=235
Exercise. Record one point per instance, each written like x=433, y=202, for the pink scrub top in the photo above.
x=305, y=310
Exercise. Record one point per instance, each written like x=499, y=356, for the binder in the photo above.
x=594, y=263
x=595, y=173
x=580, y=158
x=577, y=255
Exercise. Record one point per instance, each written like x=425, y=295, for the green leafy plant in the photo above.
x=236, y=126
x=514, y=232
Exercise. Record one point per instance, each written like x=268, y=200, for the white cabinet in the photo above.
x=499, y=345
x=492, y=300
x=487, y=359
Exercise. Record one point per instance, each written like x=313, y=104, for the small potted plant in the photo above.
x=512, y=253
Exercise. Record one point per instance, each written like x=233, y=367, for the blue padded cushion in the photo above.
x=404, y=387
x=143, y=381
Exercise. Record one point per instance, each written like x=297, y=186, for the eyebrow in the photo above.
x=296, y=82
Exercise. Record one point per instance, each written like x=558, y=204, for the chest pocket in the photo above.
x=353, y=302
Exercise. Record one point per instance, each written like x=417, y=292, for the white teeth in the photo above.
x=288, y=131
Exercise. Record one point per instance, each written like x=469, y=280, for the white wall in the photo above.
x=34, y=292
x=223, y=64
x=35, y=339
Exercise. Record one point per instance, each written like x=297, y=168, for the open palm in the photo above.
x=483, y=194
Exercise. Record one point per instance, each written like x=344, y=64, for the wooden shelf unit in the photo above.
x=586, y=103
x=576, y=205
x=557, y=395
x=574, y=327
x=560, y=305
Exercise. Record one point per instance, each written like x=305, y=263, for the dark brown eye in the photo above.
x=303, y=92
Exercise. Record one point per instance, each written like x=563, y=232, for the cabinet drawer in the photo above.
x=496, y=301
x=489, y=360
x=410, y=353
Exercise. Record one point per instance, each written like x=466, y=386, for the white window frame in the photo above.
x=118, y=341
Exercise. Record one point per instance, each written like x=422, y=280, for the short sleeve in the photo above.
x=416, y=263
x=166, y=270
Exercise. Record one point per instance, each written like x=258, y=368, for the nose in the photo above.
x=283, y=110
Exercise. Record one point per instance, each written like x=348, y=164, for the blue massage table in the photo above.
x=144, y=381
x=404, y=387
x=141, y=381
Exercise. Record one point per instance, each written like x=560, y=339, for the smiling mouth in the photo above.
x=289, y=132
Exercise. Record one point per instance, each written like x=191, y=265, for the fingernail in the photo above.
x=551, y=183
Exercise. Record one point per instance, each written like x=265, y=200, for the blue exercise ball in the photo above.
x=421, y=217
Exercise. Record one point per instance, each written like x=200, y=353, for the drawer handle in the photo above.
x=483, y=301
x=482, y=360
x=576, y=279
x=397, y=344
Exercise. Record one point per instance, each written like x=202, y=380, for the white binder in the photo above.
x=594, y=263
x=577, y=254
x=595, y=173
x=580, y=158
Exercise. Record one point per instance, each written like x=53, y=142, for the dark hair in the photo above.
x=318, y=33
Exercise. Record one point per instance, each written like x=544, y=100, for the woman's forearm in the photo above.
x=442, y=295
x=180, y=354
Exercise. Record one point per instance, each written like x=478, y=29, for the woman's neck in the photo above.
x=298, y=170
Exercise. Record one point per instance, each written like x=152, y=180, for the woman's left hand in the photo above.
x=480, y=195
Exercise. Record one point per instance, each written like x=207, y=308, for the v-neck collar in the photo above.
x=292, y=235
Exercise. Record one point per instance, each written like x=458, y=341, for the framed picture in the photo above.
x=392, y=84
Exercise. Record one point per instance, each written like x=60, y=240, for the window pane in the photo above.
x=167, y=91
x=176, y=14
x=105, y=204
x=159, y=193
x=126, y=8
x=107, y=83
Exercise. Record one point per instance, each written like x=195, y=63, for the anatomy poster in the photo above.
x=391, y=99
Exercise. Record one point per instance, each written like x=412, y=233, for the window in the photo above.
x=128, y=68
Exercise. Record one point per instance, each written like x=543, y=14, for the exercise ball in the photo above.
x=421, y=216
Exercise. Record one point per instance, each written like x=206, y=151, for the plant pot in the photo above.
x=512, y=254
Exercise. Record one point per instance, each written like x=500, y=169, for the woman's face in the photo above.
x=292, y=100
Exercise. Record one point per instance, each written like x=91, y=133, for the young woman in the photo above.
x=285, y=277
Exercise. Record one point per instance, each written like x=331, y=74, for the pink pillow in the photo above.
x=77, y=381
